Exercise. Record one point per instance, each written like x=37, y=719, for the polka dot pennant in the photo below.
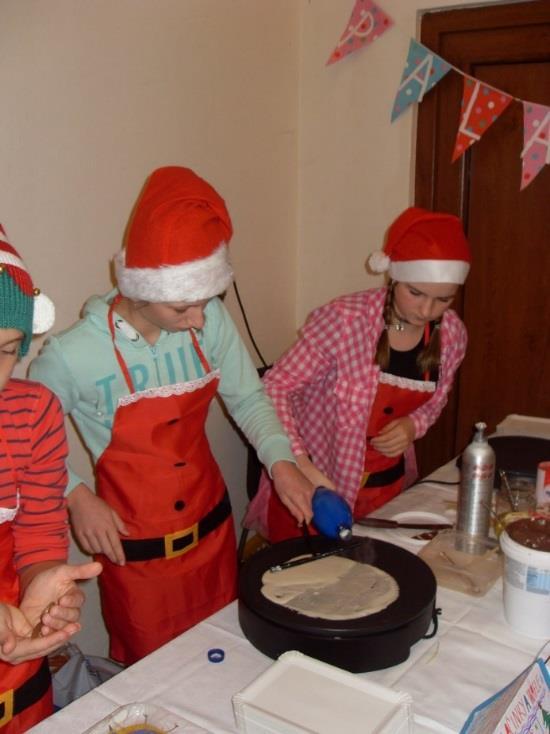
x=367, y=23
x=423, y=70
x=536, y=141
x=481, y=105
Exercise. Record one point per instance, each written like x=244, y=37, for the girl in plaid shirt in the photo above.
x=371, y=372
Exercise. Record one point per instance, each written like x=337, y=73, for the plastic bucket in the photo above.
x=526, y=588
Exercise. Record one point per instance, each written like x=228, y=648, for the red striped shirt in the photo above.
x=33, y=446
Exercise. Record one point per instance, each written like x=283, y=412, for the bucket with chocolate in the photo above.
x=526, y=547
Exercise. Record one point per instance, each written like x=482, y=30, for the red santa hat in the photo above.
x=424, y=247
x=176, y=244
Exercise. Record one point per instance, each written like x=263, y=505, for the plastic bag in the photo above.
x=79, y=675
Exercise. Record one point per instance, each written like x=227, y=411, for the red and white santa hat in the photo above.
x=176, y=243
x=424, y=247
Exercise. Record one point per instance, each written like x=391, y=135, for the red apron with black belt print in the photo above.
x=158, y=473
x=25, y=689
x=383, y=475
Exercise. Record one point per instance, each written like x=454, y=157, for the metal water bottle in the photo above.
x=476, y=489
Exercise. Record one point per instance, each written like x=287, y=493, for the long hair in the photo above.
x=428, y=359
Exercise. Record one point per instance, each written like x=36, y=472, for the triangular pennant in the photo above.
x=423, y=70
x=536, y=141
x=367, y=23
x=481, y=105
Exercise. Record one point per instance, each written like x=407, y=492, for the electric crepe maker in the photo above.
x=359, y=645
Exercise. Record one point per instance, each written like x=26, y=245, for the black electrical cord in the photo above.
x=264, y=363
x=434, y=481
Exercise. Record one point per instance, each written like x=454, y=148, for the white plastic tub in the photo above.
x=526, y=588
x=298, y=695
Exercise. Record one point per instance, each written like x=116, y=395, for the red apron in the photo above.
x=383, y=475
x=26, y=682
x=158, y=473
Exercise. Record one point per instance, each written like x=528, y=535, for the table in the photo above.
x=474, y=654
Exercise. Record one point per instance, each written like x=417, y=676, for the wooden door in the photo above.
x=505, y=302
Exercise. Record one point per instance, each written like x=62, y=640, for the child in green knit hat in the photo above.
x=40, y=601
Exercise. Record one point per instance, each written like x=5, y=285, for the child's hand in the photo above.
x=97, y=526
x=294, y=489
x=395, y=437
x=53, y=601
x=16, y=642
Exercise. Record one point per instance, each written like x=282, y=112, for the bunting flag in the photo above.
x=367, y=23
x=536, y=141
x=481, y=105
x=423, y=70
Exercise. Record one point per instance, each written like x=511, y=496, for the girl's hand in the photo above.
x=395, y=437
x=52, y=599
x=16, y=642
x=294, y=489
x=97, y=526
x=315, y=476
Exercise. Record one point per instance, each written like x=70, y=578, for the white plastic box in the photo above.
x=298, y=695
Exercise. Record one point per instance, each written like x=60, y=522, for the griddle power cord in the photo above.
x=434, y=481
x=245, y=319
x=436, y=613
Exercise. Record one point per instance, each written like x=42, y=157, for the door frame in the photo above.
x=448, y=192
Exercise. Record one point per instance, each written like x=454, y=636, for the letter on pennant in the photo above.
x=481, y=105
x=423, y=70
x=367, y=23
x=536, y=141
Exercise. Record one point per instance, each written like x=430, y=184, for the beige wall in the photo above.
x=97, y=93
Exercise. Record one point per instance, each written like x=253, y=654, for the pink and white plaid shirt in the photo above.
x=324, y=386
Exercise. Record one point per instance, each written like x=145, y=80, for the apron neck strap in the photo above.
x=118, y=355
x=427, y=337
x=199, y=352
x=120, y=359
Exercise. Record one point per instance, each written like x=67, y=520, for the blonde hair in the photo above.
x=428, y=359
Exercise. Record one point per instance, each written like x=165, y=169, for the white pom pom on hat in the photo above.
x=44, y=313
x=379, y=262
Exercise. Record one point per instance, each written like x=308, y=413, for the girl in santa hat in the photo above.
x=39, y=599
x=372, y=372
x=138, y=374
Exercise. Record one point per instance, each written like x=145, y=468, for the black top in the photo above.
x=403, y=364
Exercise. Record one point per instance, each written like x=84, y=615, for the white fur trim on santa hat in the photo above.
x=43, y=314
x=379, y=262
x=429, y=271
x=191, y=281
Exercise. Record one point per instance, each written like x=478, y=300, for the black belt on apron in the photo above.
x=16, y=700
x=386, y=476
x=181, y=541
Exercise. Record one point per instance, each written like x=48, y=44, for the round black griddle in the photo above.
x=368, y=643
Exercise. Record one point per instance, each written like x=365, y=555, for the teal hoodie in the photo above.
x=80, y=366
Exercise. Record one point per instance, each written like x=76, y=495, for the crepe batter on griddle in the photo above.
x=331, y=588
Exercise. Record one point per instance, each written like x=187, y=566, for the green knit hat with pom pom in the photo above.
x=22, y=306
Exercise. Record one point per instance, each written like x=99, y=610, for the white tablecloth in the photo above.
x=474, y=654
